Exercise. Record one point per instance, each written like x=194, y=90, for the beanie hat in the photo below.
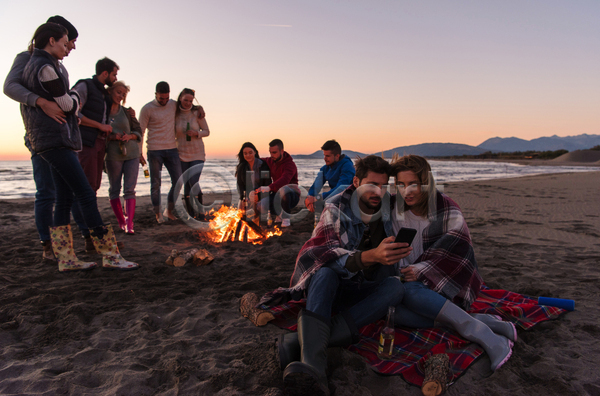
x=67, y=25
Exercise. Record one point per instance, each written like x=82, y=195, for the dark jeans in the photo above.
x=366, y=302
x=79, y=220
x=281, y=202
x=156, y=159
x=195, y=178
x=44, y=196
x=70, y=180
x=420, y=306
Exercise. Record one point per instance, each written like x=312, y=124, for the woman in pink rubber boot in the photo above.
x=122, y=156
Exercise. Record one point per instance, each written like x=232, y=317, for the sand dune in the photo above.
x=177, y=331
x=580, y=156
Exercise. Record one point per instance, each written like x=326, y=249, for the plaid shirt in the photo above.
x=337, y=235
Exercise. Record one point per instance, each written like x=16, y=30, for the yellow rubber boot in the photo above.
x=62, y=245
x=111, y=258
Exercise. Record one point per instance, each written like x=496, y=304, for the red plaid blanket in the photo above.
x=412, y=347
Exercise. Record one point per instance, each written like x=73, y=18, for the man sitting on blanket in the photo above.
x=347, y=266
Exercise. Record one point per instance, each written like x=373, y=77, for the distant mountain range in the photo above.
x=551, y=143
x=496, y=145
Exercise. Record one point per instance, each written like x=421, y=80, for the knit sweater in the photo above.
x=160, y=122
x=194, y=149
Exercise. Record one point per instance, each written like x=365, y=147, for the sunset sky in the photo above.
x=371, y=74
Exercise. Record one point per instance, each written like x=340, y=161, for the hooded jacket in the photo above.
x=339, y=176
x=283, y=172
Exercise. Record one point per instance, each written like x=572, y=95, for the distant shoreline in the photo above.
x=531, y=162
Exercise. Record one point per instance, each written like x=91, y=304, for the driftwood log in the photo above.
x=437, y=370
x=181, y=258
x=202, y=257
x=248, y=309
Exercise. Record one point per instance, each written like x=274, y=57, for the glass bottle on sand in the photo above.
x=386, y=338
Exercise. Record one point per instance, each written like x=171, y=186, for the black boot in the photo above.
x=308, y=376
x=200, y=212
x=189, y=208
x=343, y=333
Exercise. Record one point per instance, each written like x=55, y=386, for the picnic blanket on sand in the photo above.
x=412, y=347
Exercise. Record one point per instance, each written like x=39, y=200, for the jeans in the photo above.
x=191, y=183
x=44, y=196
x=281, y=202
x=92, y=162
x=418, y=298
x=366, y=302
x=156, y=159
x=69, y=179
x=127, y=171
x=79, y=220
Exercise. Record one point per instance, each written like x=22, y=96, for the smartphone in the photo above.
x=406, y=235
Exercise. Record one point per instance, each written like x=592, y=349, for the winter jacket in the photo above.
x=339, y=175
x=283, y=172
x=42, y=131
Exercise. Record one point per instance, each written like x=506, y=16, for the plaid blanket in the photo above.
x=447, y=265
x=338, y=233
x=412, y=347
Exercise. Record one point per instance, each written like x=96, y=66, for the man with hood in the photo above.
x=338, y=171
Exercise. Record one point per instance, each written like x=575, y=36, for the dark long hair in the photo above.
x=44, y=32
x=241, y=160
x=186, y=91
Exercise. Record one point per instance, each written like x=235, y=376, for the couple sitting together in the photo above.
x=352, y=267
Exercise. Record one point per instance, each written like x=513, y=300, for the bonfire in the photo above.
x=231, y=224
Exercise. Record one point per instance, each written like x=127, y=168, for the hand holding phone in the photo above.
x=406, y=235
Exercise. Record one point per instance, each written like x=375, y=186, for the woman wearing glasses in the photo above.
x=441, y=274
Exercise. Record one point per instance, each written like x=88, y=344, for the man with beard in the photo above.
x=95, y=125
x=284, y=193
x=94, y=128
x=158, y=116
x=347, y=266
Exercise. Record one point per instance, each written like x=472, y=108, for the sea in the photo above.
x=16, y=177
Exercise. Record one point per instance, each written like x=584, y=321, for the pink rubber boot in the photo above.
x=130, y=209
x=118, y=209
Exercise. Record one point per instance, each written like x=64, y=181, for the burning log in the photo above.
x=230, y=224
x=248, y=309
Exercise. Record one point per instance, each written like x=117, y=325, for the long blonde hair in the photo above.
x=118, y=84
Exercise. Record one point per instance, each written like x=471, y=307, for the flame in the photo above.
x=227, y=225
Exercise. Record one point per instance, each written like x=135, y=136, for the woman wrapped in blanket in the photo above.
x=441, y=275
x=56, y=143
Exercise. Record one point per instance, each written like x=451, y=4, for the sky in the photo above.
x=373, y=75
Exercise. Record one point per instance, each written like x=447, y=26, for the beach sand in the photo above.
x=164, y=330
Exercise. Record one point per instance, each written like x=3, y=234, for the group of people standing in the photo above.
x=74, y=134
